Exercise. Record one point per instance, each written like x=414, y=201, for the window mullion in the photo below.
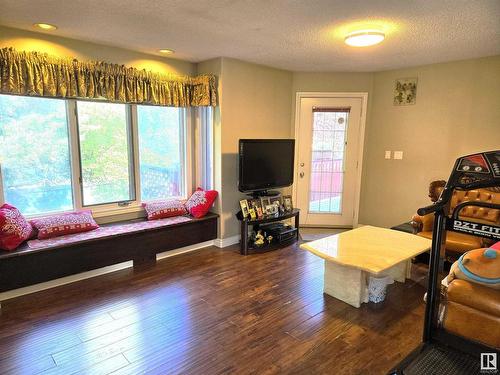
x=76, y=175
x=186, y=149
x=198, y=146
x=135, y=170
x=2, y=197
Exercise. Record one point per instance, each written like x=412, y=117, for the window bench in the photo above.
x=137, y=240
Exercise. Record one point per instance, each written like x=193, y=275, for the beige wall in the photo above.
x=334, y=82
x=23, y=40
x=255, y=104
x=457, y=112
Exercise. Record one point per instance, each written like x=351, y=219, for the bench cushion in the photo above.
x=105, y=231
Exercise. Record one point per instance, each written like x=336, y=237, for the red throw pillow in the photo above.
x=200, y=202
x=59, y=225
x=163, y=209
x=14, y=228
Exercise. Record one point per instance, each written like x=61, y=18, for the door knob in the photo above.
x=301, y=164
x=301, y=174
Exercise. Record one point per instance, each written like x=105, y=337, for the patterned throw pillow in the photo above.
x=200, y=202
x=163, y=209
x=59, y=225
x=14, y=228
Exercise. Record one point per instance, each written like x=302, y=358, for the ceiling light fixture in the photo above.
x=45, y=26
x=364, y=38
x=166, y=51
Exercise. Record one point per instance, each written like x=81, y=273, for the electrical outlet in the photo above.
x=398, y=155
x=388, y=154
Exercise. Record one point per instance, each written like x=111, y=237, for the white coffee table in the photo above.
x=352, y=256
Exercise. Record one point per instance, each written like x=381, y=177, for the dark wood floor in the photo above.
x=208, y=312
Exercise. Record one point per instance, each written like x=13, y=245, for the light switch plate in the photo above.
x=388, y=154
x=398, y=155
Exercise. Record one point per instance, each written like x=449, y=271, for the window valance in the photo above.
x=39, y=74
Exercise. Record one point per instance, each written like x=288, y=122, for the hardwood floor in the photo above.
x=208, y=312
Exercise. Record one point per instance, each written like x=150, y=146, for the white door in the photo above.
x=328, y=141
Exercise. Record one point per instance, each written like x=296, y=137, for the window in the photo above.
x=328, y=151
x=34, y=154
x=105, y=153
x=60, y=155
x=206, y=148
x=161, y=138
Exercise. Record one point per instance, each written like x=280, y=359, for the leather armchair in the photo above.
x=473, y=311
x=458, y=243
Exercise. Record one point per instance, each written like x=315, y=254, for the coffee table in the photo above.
x=352, y=256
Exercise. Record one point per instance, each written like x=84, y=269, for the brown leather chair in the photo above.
x=473, y=311
x=458, y=243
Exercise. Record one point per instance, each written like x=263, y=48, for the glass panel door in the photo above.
x=329, y=139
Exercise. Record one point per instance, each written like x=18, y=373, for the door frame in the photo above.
x=362, y=127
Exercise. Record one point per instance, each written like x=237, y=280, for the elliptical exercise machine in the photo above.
x=442, y=352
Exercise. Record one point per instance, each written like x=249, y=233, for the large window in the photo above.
x=34, y=154
x=60, y=155
x=105, y=153
x=161, y=151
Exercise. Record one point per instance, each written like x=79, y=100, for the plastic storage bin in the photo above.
x=377, y=288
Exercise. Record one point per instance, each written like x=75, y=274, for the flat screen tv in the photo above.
x=265, y=164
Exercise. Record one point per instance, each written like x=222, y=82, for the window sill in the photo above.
x=113, y=211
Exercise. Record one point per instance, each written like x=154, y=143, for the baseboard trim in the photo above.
x=185, y=249
x=98, y=272
x=225, y=242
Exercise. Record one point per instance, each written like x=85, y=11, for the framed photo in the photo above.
x=252, y=213
x=244, y=208
x=264, y=202
x=272, y=209
x=405, y=91
x=276, y=201
x=287, y=202
x=257, y=206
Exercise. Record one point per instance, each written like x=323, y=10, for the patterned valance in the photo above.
x=39, y=74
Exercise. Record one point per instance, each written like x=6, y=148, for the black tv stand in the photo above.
x=245, y=223
x=264, y=193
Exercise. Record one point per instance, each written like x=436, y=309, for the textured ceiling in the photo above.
x=294, y=35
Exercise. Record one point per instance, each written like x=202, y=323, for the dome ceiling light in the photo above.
x=45, y=26
x=364, y=38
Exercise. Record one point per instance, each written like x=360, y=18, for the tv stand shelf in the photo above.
x=245, y=223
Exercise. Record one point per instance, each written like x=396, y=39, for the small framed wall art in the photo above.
x=405, y=91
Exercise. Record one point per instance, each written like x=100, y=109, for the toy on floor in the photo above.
x=481, y=266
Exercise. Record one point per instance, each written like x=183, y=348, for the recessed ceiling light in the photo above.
x=166, y=51
x=45, y=26
x=364, y=38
